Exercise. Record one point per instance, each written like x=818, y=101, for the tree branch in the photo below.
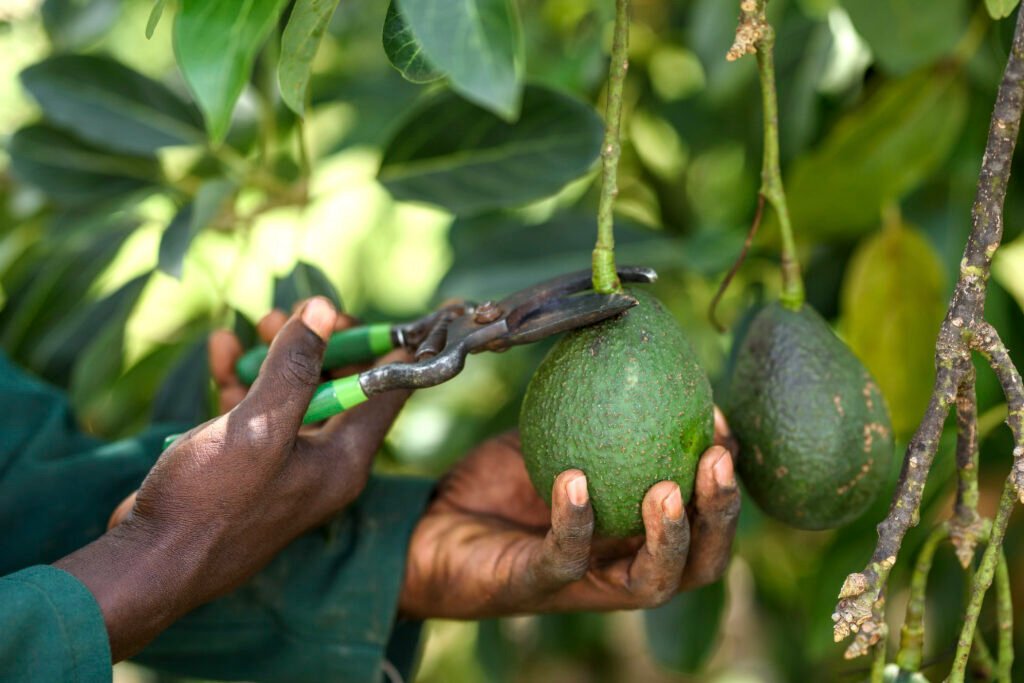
x=859, y=610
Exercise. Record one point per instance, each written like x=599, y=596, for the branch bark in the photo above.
x=859, y=610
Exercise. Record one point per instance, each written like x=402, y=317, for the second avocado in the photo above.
x=626, y=402
x=816, y=443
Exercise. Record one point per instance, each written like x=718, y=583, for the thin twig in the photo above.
x=856, y=611
x=966, y=523
x=606, y=277
x=1004, y=614
x=751, y=233
x=912, y=634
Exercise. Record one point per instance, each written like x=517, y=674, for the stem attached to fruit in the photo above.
x=963, y=332
x=606, y=278
x=754, y=35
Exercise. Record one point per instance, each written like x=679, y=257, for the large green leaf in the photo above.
x=404, y=51
x=477, y=43
x=452, y=153
x=189, y=221
x=74, y=24
x=71, y=171
x=876, y=154
x=907, y=34
x=305, y=281
x=216, y=43
x=299, y=42
x=184, y=394
x=683, y=632
x=106, y=103
x=1000, y=9
x=892, y=306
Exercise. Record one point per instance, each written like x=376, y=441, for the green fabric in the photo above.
x=52, y=629
x=323, y=610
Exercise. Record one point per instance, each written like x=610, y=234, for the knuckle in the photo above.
x=658, y=595
x=301, y=369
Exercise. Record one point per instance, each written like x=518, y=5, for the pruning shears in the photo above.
x=443, y=339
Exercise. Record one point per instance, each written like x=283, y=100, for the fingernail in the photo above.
x=672, y=505
x=318, y=315
x=576, y=489
x=725, y=476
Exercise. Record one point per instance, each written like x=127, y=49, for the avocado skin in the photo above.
x=814, y=432
x=626, y=402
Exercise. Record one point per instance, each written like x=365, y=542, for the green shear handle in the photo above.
x=355, y=345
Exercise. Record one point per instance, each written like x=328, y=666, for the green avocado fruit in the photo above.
x=626, y=402
x=815, y=438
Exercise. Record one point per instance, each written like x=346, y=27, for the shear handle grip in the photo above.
x=355, y=345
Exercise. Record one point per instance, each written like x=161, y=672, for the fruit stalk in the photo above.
x=606, y=278
x=963, y=331
x=1004, y=613
x=755, y=35
x=912, y=633
x=966, y=525
x=982, y=581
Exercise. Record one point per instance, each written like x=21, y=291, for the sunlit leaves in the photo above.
x=74, y=24
x=189, y=221
x=1000, y=9
x=216, y=44
x=106, y=103
x=892, y=305
x=1008, y=268
x=299, y=43
x=476, y=43
x=452, y=153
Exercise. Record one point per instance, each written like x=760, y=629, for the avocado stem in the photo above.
x=606, y=278
x=771, y=174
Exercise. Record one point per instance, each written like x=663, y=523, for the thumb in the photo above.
x=290, y=374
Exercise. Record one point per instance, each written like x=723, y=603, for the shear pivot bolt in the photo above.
x=487, y=312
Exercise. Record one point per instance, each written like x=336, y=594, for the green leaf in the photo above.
x=907, y=34
x=299, y=43
x=184, y=394
x=154, y=17
x=106, y=103
x=477, y=43
x=683, y=632
x=188, y=223
x=1000, y=9
x=876, y=154
x=892, y=307
x=452, y=153
x=305, y=281
x=74, y=24
x=1007, y=268
x=404, y=51
x=88, y=343
x=73, y=172
x=216, y=44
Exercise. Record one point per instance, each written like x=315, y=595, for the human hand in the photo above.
x=489, y=546
x=231, y=493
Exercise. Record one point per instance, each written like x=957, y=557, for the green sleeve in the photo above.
x=323, y=610
x=53, y=629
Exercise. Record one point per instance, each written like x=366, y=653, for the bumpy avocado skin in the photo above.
x=814, y=431
x=626, y=402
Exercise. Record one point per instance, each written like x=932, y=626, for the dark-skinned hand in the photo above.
x=489, y=546
x=230, y=494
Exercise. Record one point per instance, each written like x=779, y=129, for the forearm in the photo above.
x=141, y=584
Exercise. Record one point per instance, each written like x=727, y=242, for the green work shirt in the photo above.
x=323, y=610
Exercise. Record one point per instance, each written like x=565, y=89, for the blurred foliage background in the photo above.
x=126, y=235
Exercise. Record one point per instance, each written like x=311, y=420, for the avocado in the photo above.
x=626, y=402
x=815, y=438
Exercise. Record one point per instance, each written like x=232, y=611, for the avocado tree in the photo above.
x=172, y=167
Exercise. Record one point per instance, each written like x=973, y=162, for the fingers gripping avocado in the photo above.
x=626, y=402
x=815, y=439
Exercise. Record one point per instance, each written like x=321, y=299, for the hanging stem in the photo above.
x=982, y=581
x=606, y=278
x=912, y=634
x=755, y=35
x=1004, y=614
x=966, y=524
